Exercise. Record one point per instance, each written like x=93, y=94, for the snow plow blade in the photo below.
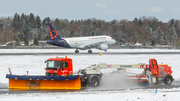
x=44, y=82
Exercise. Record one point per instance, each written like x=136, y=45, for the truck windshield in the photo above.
x=53, y=65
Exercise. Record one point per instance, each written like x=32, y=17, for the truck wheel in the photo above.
x=95, y=81
x=168, y=80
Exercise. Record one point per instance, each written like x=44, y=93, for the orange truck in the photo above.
x=59, y=75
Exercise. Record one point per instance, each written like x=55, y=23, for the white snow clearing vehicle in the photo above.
x=153, y=73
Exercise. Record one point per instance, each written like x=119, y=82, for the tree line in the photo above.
x=147, y=30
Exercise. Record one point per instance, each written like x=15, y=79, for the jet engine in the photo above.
x=102, y=47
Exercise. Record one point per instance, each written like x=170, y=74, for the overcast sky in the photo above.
x=107, y=10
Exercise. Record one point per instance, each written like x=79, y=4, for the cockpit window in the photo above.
x=53, y=65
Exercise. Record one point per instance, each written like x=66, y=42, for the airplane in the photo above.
x=79, y=43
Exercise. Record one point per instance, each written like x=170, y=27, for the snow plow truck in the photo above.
x=59, y=75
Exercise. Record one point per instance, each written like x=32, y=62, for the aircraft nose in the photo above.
x=113, y=41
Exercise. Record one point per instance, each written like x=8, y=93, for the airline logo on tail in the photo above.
x=52, y=32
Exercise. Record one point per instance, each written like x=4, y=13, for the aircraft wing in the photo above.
x=89, y=45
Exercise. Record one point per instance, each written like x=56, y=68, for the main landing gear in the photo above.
x=89, y=51
x=76, y=51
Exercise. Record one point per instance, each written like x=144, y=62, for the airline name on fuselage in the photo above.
x=97, y=38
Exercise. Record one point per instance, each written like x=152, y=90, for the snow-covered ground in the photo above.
x=35, y=65
x=127, y=95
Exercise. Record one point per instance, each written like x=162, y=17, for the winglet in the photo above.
x=53, y=33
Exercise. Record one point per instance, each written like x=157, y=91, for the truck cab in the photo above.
x=162, y=72
x=159, y=70
x=59, y=66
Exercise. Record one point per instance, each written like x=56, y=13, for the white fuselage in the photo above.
x=83, y=42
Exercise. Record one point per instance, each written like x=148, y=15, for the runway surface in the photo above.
x=71, y=53
x=4, y=89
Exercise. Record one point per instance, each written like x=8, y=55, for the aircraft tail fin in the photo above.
x=53, y=33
